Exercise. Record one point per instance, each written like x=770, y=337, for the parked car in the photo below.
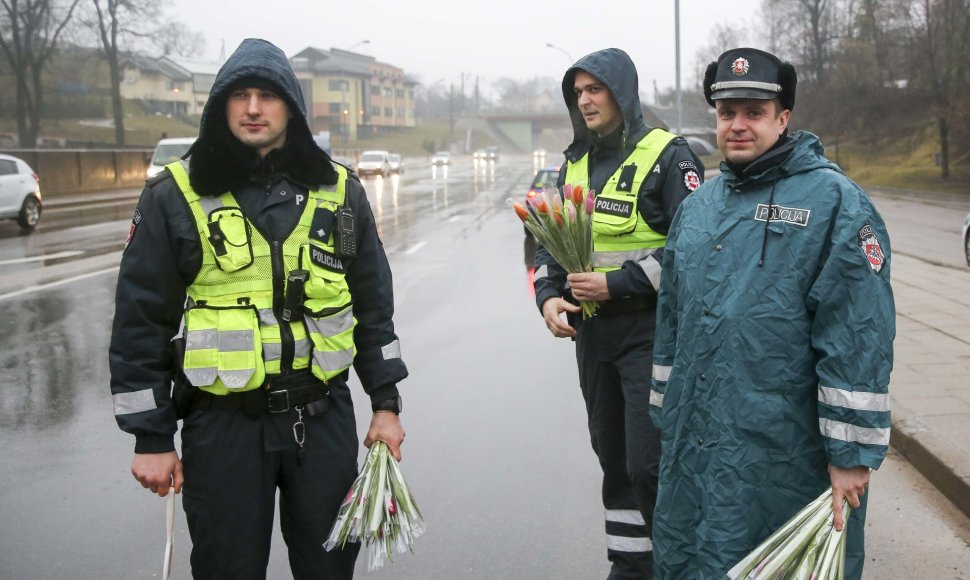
x=19, y=192
x=966, y=238
x=167, y=151
x=397, y=166
x=441, y=158
x=374, y=162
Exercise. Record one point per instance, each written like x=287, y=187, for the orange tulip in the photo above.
x=521, y=211
x=578, y=195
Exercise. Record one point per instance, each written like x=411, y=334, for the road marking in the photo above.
x=66, y=254
x=454, y=218
x=414, y=248
x=57, y=283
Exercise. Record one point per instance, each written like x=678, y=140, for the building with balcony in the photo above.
x=353, y=95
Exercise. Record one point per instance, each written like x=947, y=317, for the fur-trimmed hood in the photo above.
x=218, y=162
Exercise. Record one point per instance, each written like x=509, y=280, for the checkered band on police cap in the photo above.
x=749, y=73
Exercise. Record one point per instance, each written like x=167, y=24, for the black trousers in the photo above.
x=615, y=359
x=234, y=464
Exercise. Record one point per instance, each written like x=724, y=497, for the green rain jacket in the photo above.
x=772, y=357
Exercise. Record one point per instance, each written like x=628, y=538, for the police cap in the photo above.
x=749, y=73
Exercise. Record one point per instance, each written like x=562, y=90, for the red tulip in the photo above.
x=521, y=211
x=558, y=216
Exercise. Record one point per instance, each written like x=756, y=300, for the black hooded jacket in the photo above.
x=164, y=254
x=661, y=192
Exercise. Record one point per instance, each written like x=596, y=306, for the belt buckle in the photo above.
x=278, y=401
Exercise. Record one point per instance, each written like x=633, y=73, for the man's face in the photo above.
x=596, y=103
x=258, y=118
x=746, y=128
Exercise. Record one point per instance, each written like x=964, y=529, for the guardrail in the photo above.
x=72, y=171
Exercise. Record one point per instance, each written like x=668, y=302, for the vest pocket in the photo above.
x=614, y=214
x=327, y=282
x=223, y=348
x=331, y=332
x=231, y=239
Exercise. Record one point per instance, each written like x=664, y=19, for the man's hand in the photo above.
x=850, y=483
x=589, y=286
x=158, y=471
x=386, y=426
x=552, y=310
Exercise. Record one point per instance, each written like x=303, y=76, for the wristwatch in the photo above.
x=393, y=405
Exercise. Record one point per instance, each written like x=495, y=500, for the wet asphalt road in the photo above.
x=497, y=451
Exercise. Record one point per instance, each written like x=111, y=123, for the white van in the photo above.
x=376, y=162
x=167, y=151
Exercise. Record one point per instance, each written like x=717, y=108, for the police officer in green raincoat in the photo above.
x=774, y=337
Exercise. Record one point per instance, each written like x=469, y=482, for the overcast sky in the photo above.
x=440, y=39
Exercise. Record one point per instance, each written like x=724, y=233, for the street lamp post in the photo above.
x=680, y=109
x=554, y=47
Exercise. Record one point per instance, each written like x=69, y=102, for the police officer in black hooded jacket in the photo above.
x=274, y=413
x=646, y=173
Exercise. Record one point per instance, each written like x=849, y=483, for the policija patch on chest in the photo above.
x=327, y=260
x=778, y=213
x=615, y=207
x=871, y=249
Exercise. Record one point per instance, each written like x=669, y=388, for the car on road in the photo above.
x=966, y=238
x=441, y=158
x=397, y=166
x=167, y=151
x=492, y=152
x=19, y=192
x=480, y=155
x=374, y=162
x=545, y=177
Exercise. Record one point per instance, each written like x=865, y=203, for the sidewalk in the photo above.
x=930, y=383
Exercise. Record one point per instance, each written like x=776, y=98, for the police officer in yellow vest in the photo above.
x=261, y=257
x=640, y=175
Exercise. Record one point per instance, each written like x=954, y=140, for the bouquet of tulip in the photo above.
x=807, y=547
x=379, y=510
x=562, y=223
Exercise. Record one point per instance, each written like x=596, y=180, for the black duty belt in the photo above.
x=625, y=306
x=277, y=395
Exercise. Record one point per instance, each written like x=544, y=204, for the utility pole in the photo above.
x=478, y=108
x=451, y=109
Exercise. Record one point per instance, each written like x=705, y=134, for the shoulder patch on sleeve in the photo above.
x=869, y=245
x=692, y=180
x=135, y=220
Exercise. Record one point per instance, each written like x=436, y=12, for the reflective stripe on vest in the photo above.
x=237, y=276
x=619, y=232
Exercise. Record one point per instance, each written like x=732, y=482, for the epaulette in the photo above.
x=158, y=177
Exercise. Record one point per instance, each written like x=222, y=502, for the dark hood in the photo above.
x=616, y=70
x=219, y=162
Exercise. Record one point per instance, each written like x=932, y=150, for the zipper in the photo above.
x=279, y=293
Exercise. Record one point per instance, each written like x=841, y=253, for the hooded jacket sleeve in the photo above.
x=161, y=256
x=378, y=363
x=852, y=334
x=660, y=196
x=665, y=335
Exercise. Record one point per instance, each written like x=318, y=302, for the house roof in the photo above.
x=155, y=65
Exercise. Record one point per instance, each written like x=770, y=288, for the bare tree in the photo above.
x=125, y=25
x=946, y=45
x=29, y=32
x=723, y=37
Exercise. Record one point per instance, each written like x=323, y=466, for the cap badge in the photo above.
x=740, y=67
